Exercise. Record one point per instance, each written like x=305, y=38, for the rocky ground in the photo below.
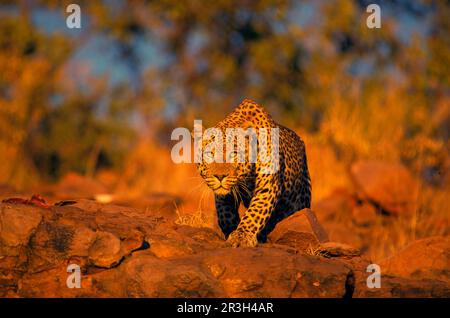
x=127, y=251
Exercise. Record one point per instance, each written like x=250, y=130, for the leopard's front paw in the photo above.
x=240, y=238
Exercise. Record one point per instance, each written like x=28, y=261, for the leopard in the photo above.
x=269, y=196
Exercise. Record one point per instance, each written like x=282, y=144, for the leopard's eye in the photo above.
x=208, y=156
x=233, y=157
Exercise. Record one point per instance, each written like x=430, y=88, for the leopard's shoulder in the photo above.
x=248, y=114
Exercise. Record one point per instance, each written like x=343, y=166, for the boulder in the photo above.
x=427, y=258
x=389, y=185
x=296, y=232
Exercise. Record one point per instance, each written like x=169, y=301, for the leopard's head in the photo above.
x=225, y=175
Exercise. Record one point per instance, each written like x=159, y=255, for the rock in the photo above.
x=110, y=217
x=177, y=241
x=427, y=258
x=269, y=272
x=297, y=222
x=364, y=214
x=316, y=227
x=205, y=236
x=333, y=249
x=397, y=287
x=35, y=200
x=17, y=222
x=389, y=185
x=168, y=248
x=125, y=252
x=149, y=276
x=301, y=241
x=35, y=240
x=335, y=213
x=105, y=250
x=294, y=231
x=134, y=240
x=83, y=239
x=301, y=231
x=391, y=286
x=335, y=207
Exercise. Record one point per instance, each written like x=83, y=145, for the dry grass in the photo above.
x=432, y=218
x=315, y=251
x=196, y=219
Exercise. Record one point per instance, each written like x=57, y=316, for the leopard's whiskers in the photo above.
x=244, y=187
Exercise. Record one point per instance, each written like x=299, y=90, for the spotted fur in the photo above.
x=269, y=198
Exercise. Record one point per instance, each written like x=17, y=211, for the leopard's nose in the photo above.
x=220, y=177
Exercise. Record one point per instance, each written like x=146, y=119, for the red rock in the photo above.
x=398, y=287
x=167, y=248
x=105, y=250
x=294, y=231
x=148, y=276
x=301, y=231
x=134, y=240
x=425, y=258
x=335, y=207
x=338, y=249
x=35, y=200
x=108, y=243
x=269, y=272
x=364, y=214
x=391, y=286
x=83, y=238
x=17, y=222
x=389, y=185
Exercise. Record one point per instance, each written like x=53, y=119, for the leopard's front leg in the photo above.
x=262, y=204
x=227, y=213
